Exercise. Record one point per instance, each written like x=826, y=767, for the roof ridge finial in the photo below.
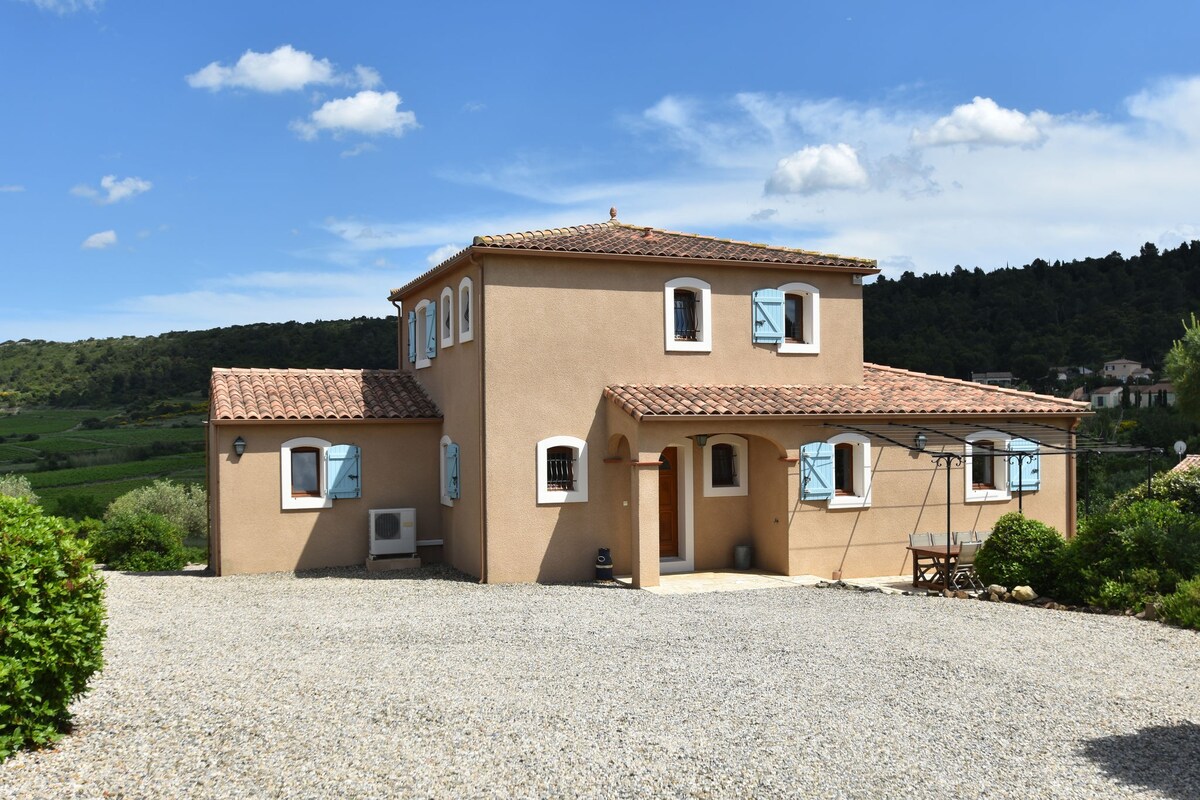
x=612, y=213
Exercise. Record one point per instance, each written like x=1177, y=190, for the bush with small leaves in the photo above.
x=52, y=637
x=1183, y=607
x=12, y=485
x=139, y=543
x=185, y=505
x=1020, y=552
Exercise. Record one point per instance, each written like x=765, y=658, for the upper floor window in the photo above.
x=562, y=473
x=446, y=318
x=687, y=315
x=422, y=333
x=466, y=310
x=725, y=466
x=788, y=317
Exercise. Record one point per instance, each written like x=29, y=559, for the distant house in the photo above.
x=1154, y=395
x=1142, y=375
x=1187, y=464
x=1107, y=397
x=992, y=378
x=1066, y=373
x=1121, y=369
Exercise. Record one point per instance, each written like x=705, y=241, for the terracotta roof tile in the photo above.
x=885, y=390
x=1187, y=464
x=618, y=238
x=262, y=394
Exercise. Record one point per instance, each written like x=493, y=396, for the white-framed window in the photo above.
x=986, y=467
x=562, y=470
x=851, y=471
x=446, y=317
x=466, y=310
x=801, y=318
x=448, y=471
x=302, y=473
x=687, y=315
x=424, y=335
x=726, y=466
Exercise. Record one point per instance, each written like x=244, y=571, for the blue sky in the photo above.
x=172, y=166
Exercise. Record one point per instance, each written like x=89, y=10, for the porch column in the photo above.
x=643, y=512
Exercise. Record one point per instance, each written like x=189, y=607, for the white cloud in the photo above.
x=99, y=241
x=283, y=69
x=441, y=254
x=368, y=112
x=1173, y=104
x=815, y=169
x=62, y=7
x=367, y=77
x=358, y=150
x=11, y=187
x=981, y=122
x=114, y=189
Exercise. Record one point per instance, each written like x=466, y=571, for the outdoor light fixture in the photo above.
x=920, y=440
x=239, y=446
x=702, y=439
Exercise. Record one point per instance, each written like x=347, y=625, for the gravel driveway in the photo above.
x=333, y=684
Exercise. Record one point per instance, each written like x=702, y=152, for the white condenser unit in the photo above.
x=393, y=531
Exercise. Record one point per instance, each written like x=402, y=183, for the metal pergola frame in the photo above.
x=946, y=434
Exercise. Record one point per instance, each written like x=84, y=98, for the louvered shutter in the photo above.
x=342, y=473
x=1024, y=474
x=767, y=305
x=452, y=489
x=431, y=330
x=412, y=337
x=816, y=471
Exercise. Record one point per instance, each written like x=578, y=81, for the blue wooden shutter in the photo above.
x=452, y=490
x=767, y=305
x=342, y=473
x=816, y=471
x=1024, y=473
x=431, y=330
x=412, y=337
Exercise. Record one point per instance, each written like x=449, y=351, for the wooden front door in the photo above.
x=668, y=503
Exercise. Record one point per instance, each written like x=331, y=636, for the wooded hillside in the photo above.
x=132, y=370
x=1031, y=318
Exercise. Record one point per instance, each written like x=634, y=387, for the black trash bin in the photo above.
x=604, y=565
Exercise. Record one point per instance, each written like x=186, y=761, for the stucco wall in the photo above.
x=453, y=381
x=253, y=533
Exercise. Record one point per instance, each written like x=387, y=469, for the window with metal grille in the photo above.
x=793, y=318
x=560, y=469
x=685, y=315
x=724, y=465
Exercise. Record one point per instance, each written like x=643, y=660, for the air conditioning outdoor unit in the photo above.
x=393, y=531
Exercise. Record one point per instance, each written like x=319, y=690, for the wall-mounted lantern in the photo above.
x=239, y=446
x=701, y=439
x=920, y=440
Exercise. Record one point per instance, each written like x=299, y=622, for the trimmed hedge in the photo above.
x=1020, y=552
x=52, y=637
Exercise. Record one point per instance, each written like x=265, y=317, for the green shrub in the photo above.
x=1020, y=551
x=17, y=486
x=52, y=632
x=78, y=505
x=140, y=543
x=1183, y=607
x=184, y=505
x=1180, y=489
x=1148, y=545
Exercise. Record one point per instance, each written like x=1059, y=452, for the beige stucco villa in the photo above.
x=665, y=395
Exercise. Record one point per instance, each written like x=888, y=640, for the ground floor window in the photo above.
x=725, y=466
x=562, y=470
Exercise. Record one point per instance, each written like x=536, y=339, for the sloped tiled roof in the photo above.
x=1188, y=463
x=622, y=239
x=304, y=394
x=884, y=391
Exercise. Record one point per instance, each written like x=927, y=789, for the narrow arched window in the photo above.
x=843, y=469
x=724, y=465
x=686, y=320
x=560, y=469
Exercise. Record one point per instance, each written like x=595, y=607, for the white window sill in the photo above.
x=422, y=363
x=849, y=501
x=557, y=498
x=725, y=491
x=799, y=347
x=678, y=346
x=295, y=503
x=993, y=496
x=447, y=501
